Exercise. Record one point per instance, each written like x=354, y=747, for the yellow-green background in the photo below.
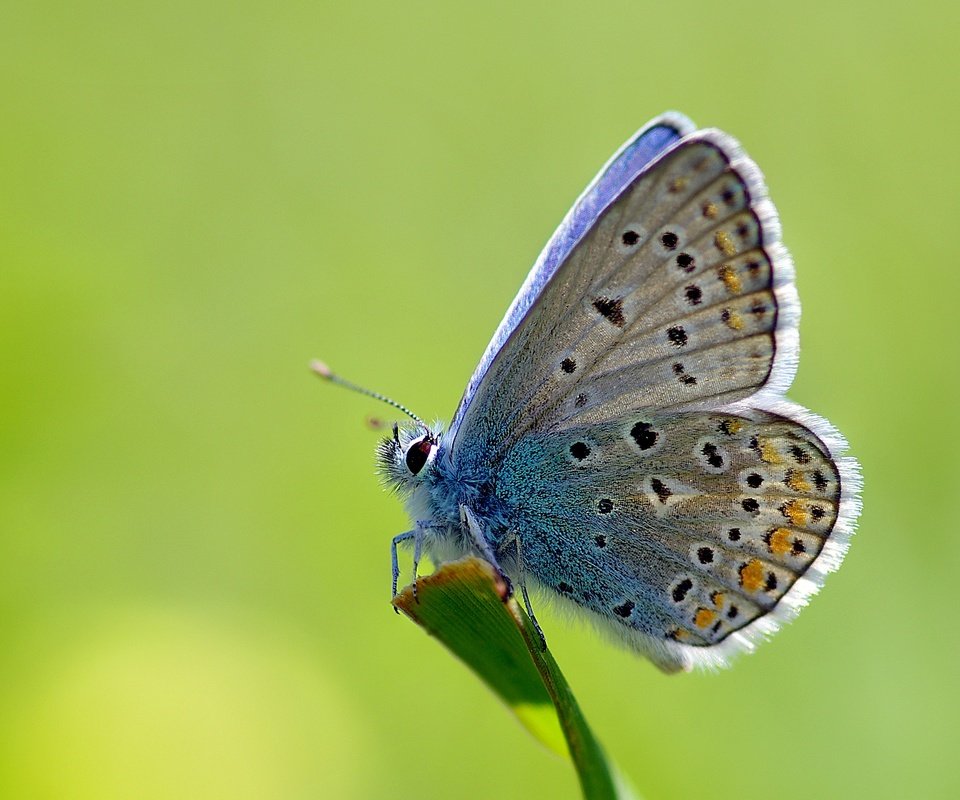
x=196, y=198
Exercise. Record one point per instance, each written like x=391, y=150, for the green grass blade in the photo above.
x=466, y=607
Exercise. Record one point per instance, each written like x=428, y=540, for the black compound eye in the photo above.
x=418, y=453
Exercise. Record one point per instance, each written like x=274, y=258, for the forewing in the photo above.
x=679, y=296
x=688, y=534
x=651, y=140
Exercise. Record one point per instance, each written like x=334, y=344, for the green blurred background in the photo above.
x=198, y=198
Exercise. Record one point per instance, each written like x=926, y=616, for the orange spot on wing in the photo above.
x=768, y=452
x=730, y=279
x=796, y=481
x=678, y=185
x=704, y=617
x=732, y=426
x=724, y=243
x=733, y=320
x=751, y=575
x=710, y=210
x=780, y=541
x=718, y=599
x=794, y=510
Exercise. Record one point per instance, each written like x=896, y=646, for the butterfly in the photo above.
x=624, y=446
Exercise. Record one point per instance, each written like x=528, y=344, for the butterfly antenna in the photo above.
x=324, y=371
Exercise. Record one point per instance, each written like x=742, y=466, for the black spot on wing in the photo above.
x=712, y=452
x=694, y=294
x=680, y=371
x=800, y=455
x=677, y=336
x=680, y=590
x=644, y=435
x=624, y=610
x=611, y=310
x=660, y=489
x=579, y=450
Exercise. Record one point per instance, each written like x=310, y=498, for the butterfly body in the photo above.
x=625, y=445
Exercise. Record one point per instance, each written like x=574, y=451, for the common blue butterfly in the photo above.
x=625, y=445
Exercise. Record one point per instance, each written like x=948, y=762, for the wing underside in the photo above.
x=688, y=535
x=680, y=296
x=631, y=415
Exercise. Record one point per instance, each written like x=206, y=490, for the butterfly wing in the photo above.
x=651, y=140
x=689, y=535
x=679, y=294
x=675, y=305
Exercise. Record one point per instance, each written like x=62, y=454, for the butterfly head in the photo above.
x=406, y=457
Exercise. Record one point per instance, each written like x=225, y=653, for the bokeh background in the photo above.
x=197, y=198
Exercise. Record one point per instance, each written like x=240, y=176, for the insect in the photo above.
x=624, y=445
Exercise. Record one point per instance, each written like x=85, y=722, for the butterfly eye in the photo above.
x=418, y=453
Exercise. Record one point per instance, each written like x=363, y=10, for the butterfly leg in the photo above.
x=417, y=552
x=470, y=522
x=417, y=535
x=523, y=591
x=400, y=537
